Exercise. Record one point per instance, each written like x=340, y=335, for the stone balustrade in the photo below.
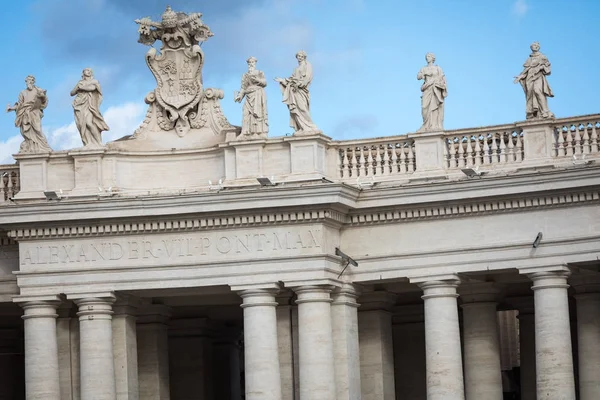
x=9, y=183
x=495, y=149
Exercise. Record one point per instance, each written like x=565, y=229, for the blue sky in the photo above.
x=365, y=56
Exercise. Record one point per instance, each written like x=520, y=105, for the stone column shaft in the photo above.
x=483, y=375
x=554, y=357
x=588, y=334
x=41, y=350
x=285, y=344
x=97, y=367
x=317, y=368
x=125, y=350
x=261, y=353
x=344, y=318
x=442, y=341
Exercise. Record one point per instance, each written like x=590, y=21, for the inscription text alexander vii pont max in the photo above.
x=170, y=247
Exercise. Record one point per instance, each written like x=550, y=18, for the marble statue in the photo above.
x=89, y=121
x=255, y=120
x=297, y=97
x=434, y=92
x=30, y=110
x=179, y=103
x=535, y=85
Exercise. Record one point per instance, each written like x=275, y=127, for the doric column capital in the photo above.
x=479, y=292
x=258, y=297
x=439, y=288
x=40, y=308
x=313, y=293
x=94, y=308
x=346, y=295
x=549, y=280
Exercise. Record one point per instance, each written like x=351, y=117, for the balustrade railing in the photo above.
x=485, y=146
x=577, y=136
x=376, y=157
x=9, y=182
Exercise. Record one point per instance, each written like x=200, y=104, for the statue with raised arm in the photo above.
x=86, y=105
x=535, y=85
x=434, y=92
x=255, y=121
x=297, y=97
x=30, y=110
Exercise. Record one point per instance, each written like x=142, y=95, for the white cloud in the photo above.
x=123, y=120
x=520, y=8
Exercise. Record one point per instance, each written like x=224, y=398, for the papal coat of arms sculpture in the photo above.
x=180, y=104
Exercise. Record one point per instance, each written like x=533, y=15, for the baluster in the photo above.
x=378, y=166
x=411, y=157
x=502, y=149
x=362, y=167
x=478, y=150
x=386, y=159
x=345, y=170
x=586, y=139
x=469, y=151
x=594, y=139
x=394, y=169
x=461, y=152
x=495, y=157
x=355, y=166
x=369, y=162
x=577, y=147
x=451, y=153
x=519, y=147
x=569, y=141
x=560, y=145
x=487, y=156
x=511, y=147
x=402, y=159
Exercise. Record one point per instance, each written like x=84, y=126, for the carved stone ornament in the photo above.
x=179, y=104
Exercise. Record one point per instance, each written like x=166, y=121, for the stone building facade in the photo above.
x=177, y=274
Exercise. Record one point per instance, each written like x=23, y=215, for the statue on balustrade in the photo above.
x=255, y=122
x=30, y=110
x=535, y=85
x=89, y=121
x=434, y=92
x=297, y=97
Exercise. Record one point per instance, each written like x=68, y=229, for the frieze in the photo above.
x=167, y=249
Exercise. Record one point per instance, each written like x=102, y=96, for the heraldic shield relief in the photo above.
x=178, y=78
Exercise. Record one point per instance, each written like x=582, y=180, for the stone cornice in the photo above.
x=326, y=216
x=474, y=207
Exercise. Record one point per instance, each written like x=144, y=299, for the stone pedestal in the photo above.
x=41, y=352
x=33, y=175
x=442, y=341
x=317, y=370
x=97, y=369
x=429, y=152
x=554, y=357
x=588, y=340
x=345, y=343
x=261, y=352
x=125, y=348
x=482, y=369
x=376, y=346
x=153, y=352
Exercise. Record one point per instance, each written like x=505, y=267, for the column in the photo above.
x=261, y=352
x=125, y=347
x=442, y=340
x=408, y=330
x=554, y=357
x=68, y=365
x=344, y=319
x=482, y=369
x=587, y=299
x=376, y=346
x=317, y=376
x=285, y=343
x=526, y=346
x=153, y=352
x=41, y=351
x=97, y=369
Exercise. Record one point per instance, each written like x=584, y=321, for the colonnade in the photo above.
x=342, y=353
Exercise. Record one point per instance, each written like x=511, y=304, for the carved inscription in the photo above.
x=171, y=248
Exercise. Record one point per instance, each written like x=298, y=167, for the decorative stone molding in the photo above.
x=180, y=225
x=473, y=208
